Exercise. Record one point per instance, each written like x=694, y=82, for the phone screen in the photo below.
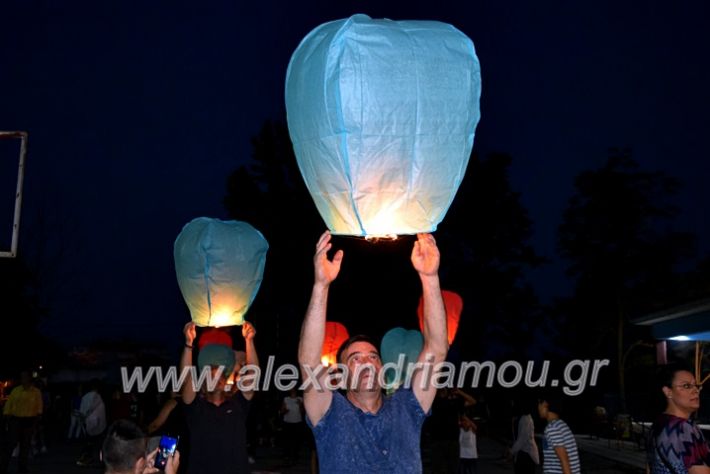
x=166, y=448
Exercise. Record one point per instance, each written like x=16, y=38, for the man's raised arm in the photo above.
x=317, y=399
x=425, y=259
x=186, y=390
x=248, y=332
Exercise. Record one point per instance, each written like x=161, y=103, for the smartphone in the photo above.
x=166, y=448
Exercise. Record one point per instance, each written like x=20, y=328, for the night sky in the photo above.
x=138, y=111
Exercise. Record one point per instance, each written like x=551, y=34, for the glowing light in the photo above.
x=219, y=266
x=680, y=338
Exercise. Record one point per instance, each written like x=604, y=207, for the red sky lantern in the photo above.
x=214, y=336
x=335, y=335
x=454, y=305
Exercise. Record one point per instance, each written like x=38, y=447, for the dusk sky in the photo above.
x=137, y=112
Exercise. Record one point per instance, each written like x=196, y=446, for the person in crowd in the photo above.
x=76, y=426
x=559, y=448
x=364, y=431
x=524, y=450
x=443, y=427
x=468, y=447
x=93, y=415
x=171, y=421
x=292, y=412
x=216, y=417
x=124, y=451
x=676, y=444
x=21, y=414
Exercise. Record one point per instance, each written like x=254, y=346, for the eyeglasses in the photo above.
x=689, y=386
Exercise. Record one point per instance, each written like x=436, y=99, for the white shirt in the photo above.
x=467, y=444
x=94, y=412
x=526, y=439
x=293, y=410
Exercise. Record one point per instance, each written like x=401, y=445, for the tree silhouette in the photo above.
x=270, y=194
x=24, y=347
x=616, y=235
x=488, y=264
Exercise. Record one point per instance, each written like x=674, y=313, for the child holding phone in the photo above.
x=124, y=451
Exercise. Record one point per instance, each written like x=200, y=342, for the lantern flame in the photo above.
x=223, y=317
x=375, y=238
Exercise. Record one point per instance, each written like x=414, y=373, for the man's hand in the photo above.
x=149, y=466
x=326, y=270
x=171, y=467
x=190, y=333
x=248, y=331
x=425, y=255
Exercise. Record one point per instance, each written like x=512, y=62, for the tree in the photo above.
x=270, y=194
x=24, y=347
x=617, y=236
x=489, y=264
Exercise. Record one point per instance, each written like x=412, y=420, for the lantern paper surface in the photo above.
x=219, y=266
x=400, y=341
x=453, y=303
x=335, y=335
x=382, y=116
x=217, y=355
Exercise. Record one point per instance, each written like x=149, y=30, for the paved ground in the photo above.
x=62, y=455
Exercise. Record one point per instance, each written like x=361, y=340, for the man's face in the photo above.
x=221, y=381
x=363, y=362
x=542, y=409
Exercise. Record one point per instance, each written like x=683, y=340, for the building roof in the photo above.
x=690, y=322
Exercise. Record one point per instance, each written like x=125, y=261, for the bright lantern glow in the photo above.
x=219, y=266
x=382, y=116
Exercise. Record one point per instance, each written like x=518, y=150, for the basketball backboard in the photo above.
x=20, y=138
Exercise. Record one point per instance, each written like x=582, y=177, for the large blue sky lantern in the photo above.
x=382, y=116
x=219, y=266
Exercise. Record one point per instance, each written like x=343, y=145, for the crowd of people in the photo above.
x=356, y=430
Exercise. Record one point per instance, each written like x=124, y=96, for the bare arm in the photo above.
x=162, y=416
x=317, y=399
x=249, y=332
x=699, y=470
x=425, y=259
x=564, y=459
x=187, y=391
x=468, y=400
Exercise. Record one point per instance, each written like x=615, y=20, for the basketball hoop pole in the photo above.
x=18, y=194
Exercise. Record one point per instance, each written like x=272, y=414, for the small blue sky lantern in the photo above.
x=382, y=116
x=396, y=343
x=219, y=266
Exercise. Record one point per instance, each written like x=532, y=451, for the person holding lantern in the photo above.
x=216, y=419
x=363, y=431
